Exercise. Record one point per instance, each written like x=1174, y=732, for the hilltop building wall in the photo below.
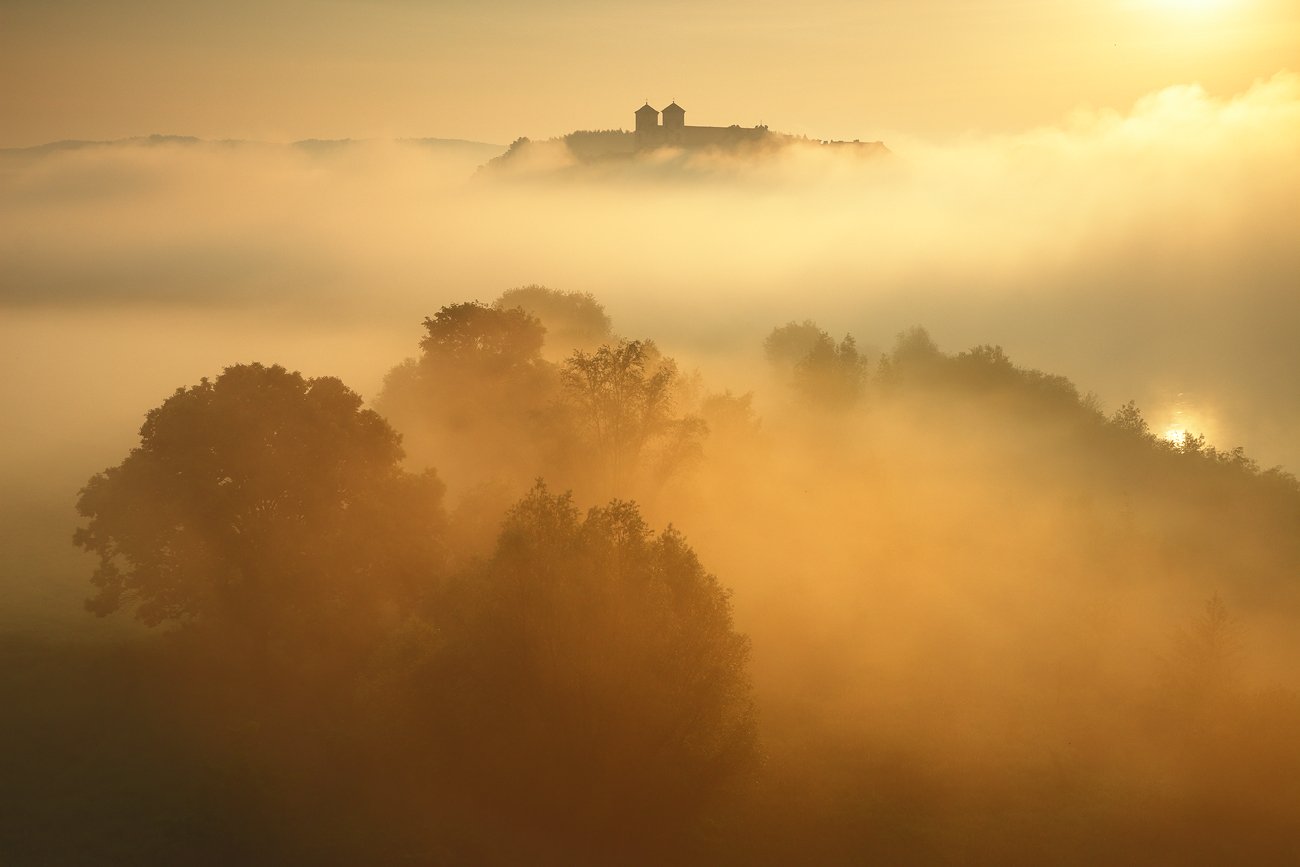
x=590, y=146
x=647, y=119
x=674, y=132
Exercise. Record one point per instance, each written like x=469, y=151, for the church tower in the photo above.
x=647, y=119
x=674, y=117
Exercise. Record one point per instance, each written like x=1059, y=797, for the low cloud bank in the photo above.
x=1147, y=254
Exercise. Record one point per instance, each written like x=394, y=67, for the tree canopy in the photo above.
x=832, y=376
x=573, y=320
x=789, y=344
x=492, y=339
x=475, y=402
x=593, y=676
x=928, y=532
x=823, y=373
x=258, y=497
x=623, y=400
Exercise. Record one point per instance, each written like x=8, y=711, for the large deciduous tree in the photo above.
x=594, y=683
x=265, y=501
x=622, y=397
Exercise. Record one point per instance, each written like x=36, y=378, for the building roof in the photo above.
x=646, y=108
x=674, y=105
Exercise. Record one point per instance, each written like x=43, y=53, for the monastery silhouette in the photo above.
x=674, y=131
x=590, y=146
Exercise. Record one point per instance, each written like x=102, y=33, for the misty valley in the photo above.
x=560, y=599
x=908, y=482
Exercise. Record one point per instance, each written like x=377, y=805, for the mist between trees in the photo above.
x=560, y=599
x=1144, y=253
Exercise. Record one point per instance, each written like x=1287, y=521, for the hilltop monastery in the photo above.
x=674, y=131
x=651, y=133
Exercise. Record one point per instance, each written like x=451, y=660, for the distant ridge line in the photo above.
x=157, y=139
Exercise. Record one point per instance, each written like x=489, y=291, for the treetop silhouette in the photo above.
x=257, y=497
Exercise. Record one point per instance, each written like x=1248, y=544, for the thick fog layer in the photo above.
x=1147, y=254
x=824, y=508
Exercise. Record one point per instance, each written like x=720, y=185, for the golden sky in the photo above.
x=497, y=69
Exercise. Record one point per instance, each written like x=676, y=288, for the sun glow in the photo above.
x=1199, y=6
x=1183, y=419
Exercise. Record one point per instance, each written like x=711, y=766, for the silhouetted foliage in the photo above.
x=914, y=355
x=954, y=589
x=475, y=402
x=573, y=320
x=622, y=395
x=824, y=374
x=791, y=343
x=1128, y=418
x=257, y=499
x=592, y=687
x=914, y=346
x=831, y=376
x=472, y=337
x=595, y=145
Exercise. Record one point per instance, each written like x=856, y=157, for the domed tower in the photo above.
x=647, y=119
x=674, y=117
